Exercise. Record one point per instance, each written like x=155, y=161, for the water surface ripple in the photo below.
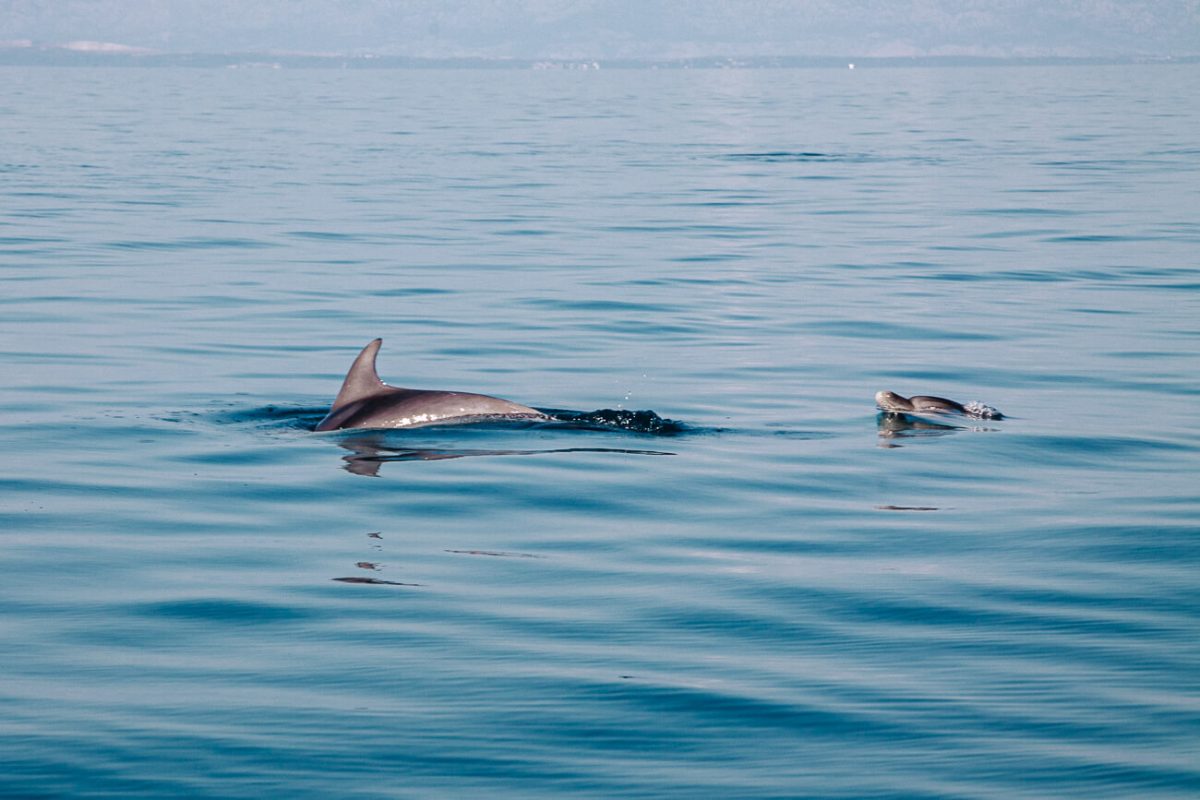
x=763, y=590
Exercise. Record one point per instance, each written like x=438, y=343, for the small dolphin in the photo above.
x=367, y=402
x=890, y=401
x=893, y=403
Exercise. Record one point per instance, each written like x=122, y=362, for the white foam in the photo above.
x=981, y=410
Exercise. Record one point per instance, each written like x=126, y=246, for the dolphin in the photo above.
x=367, y=402
x=892, y=403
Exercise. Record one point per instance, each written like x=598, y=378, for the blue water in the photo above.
x=780, y=595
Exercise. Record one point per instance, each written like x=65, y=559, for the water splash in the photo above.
x=647, y=422
x=981, y=410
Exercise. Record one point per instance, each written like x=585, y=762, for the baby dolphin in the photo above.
x=893, y=403
x=367, y=402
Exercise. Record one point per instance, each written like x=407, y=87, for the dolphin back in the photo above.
x=367, y=402
x=893, y=403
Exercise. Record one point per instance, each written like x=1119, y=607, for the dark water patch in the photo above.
x=273, y=416
x=1107, y=165
x=782, y=155
x=1144, y=355
x=43, y=212
x=921, y=380
x=1095, y=238
x=912, y=264
x=639, y=329
x=885, y=331
x=1101, y=311
x=966, y=248
x=373, y=581
x=1097, y=450
x=20, y=241
x=412, y=291
x=63, y=300
x=1183, y=387
x=1175, y=151
x=190, y=243
x=778, y=430
x=1167, y=542
x=799, y=157
x=724, y=281
x=722, y=232
x=518, y=232
x=1025, y=211
x=707, y=258
x=493, y=353
x=149, y=203
x=324, y=236
x=1021, y=233
x=714, y=709
x=1127, y=277
x=1108, y=612
x=823, y=157
x=220, y=611
x=729, y=203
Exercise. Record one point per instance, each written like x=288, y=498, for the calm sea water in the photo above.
x=782, y=596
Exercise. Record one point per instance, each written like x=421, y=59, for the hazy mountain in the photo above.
x=620, y=28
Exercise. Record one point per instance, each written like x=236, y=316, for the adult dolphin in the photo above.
x=367, y=402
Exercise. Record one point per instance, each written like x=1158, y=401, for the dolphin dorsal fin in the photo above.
x=362, y=380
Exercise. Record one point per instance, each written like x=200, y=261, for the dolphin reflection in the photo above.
x=893, y=425
x=367, y=454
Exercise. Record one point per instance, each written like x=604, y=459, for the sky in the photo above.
x=597, y=29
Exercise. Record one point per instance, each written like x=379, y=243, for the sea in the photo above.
x=720, y=571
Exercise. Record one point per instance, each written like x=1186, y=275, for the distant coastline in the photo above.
x=104, y=54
